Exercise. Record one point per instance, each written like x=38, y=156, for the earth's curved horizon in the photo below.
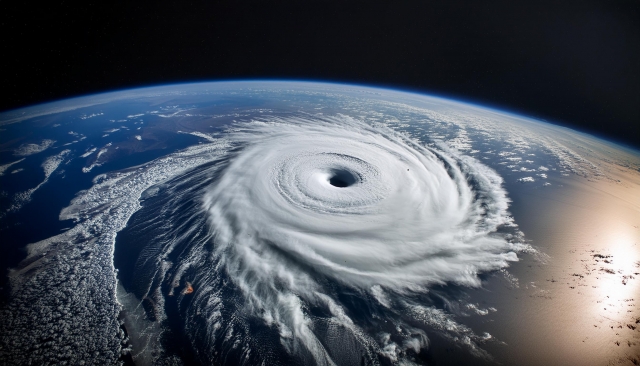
x=280, y=222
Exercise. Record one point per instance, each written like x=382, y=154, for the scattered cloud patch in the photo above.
x=30, y=149
x=49, y=165
x=84, y=116
x=88, y=153
x=526, y=180
x=3, y=168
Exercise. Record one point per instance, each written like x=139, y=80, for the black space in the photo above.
x=572, y=62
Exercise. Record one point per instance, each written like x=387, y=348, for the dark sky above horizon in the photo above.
x=572, y=62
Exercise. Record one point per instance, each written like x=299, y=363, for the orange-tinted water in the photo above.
x=581, y=307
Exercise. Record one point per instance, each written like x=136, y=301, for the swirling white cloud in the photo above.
x=410, y=216
x=306, y=201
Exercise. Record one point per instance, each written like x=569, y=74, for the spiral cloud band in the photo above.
x=356, y=205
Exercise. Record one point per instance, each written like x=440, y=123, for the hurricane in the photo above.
x=308, y=239
x=264, y=239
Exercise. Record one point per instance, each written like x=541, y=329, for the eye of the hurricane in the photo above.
x=342, y=178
